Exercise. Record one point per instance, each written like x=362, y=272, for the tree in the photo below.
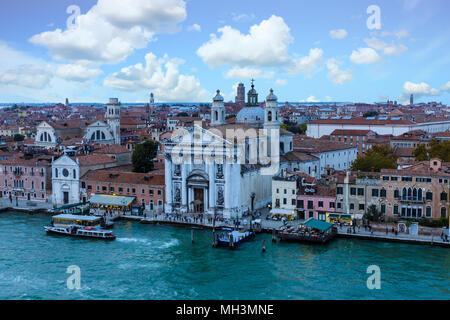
x=143, y=156
x=304, y=127
x=421, y=153
x=372, y=214
x=370, y=114
x=378, y=157
x=19, y=137
x=437, y=149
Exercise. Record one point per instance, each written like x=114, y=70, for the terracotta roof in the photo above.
x=349, y=132
x=297, y=156
x=93, y=159
x=19, y=159
x=111, y=149
x=404, y=152
x=134, y=178
x=307, y=144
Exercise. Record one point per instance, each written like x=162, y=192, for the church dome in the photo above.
x=271, y=96
x=218, y=96
x=250, y=115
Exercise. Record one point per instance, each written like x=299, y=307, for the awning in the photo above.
x=284, y=212
x=340, y=216
x=317, y=224
x=108, y=200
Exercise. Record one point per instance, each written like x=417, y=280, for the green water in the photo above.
x=160, y=262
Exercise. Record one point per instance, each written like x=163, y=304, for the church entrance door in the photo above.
x=199, y=194
x=66, y=197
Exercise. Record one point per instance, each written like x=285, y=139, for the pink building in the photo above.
x=26, y=177
x=315, y=202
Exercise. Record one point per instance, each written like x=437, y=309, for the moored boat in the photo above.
x=233, y=239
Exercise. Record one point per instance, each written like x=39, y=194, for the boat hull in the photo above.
x=78, y=235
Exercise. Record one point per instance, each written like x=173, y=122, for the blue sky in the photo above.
x=185, y=50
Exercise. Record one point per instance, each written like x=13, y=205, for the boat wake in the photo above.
x=157, y=244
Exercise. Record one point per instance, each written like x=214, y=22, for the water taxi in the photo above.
x=79, y=232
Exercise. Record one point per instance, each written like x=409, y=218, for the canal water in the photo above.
x=160, y=262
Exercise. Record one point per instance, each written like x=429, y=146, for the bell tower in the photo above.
x=113, y=118
x=272, y=122
x=218, y=110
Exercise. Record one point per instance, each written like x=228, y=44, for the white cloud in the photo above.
x=242, y=17
x=112, y=29
x=328, y=99
x=395, y=50
x=446, y=87
x=376, y=43
x=265, y=45
x=364, y=56
x=29, y=76
x=336, y=75
x=195, y=27
x=74, y=72
x=312, y=99
x=248, y=73
x=419, y=89
x=338, y=34
x=399, y=34
x=281, y=82
x=162, y=76
x=307, y=64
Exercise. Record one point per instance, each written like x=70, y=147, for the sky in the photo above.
x=185, y=50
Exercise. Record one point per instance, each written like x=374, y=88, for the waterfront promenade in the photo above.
x=268, y=225
x=24, y=205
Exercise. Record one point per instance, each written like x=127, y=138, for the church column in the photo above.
x=184, y=189
x=228, y=188
x=169, y=184
x=212, y=188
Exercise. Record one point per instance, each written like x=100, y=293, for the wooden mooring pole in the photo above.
x=192, y=235
x=264, y=246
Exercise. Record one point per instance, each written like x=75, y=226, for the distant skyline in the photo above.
x=307, y=51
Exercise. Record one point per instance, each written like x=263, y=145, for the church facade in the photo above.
x=224, y=169
x=49, y=135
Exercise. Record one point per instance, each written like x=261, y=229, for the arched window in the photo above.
x=443, y=212
x=56, y=173
x=415, y=194
x=419, y=195
x=103, y=136
x=404, y=194
x=269, y=116
x=216, y=114
x=396, y=193
x=93, y=136
x=42, y=137
x=74, y=173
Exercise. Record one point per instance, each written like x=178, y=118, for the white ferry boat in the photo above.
x=79, y=226
x=74, y=231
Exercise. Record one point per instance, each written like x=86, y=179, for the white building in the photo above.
x=65, y=181
x=381, y=125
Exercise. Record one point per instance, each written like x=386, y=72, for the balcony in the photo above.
x=412, y=200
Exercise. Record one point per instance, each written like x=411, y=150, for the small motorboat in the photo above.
x=80, y=232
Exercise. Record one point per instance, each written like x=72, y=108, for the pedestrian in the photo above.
x=387, y=230
x=442, y=236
